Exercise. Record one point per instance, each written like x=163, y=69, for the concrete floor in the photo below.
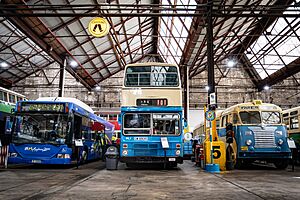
x=92, y=181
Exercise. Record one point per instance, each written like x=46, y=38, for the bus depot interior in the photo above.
x=106, y=99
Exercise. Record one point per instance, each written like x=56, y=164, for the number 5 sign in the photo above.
x=218, y=151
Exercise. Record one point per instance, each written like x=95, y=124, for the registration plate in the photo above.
x=36, y=161
x=172, y=159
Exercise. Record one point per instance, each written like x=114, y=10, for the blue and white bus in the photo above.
x=254, y=131
x=151, y=113
x=57, y=130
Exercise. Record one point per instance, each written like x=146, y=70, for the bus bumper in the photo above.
x=265, y=155
x=55, y=161
x=149, y=159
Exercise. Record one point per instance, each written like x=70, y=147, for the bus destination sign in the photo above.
x=46, y=107
x=151, y=102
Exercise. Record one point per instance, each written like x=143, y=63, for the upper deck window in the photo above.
x=154, y=76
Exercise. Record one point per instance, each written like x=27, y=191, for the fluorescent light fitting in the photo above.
x=230, y=63
x=266, y=87
x=4, y=64
x=73, y=63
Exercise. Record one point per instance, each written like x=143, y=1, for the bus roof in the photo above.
x=67, y=100
x=12, y=92
x=291, y=109
x=151, y=64
x=255, y=103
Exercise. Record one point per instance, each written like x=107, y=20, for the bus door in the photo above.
x=77, y=122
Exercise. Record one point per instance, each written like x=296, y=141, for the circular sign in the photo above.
x=210, y=115
x=188, y=136
x=99, y=27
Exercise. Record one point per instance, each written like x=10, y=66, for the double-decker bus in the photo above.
x=8, y=101
x=254, y=131
x=151, y=113
x=292, y=120
x=56, y=130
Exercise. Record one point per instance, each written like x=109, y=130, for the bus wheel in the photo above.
x=281, y=164
x=230, y=159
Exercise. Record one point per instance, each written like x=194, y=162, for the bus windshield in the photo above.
x=160, y=76
x=162, y=124
x=270, y=117
x=40, y=128
x=250, y=117
x=165, y=124
x=137, y=123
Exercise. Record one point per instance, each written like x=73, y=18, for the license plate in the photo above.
x=172, y=159
x=36, y=161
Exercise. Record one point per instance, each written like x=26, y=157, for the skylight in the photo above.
x=174, y=30
x=277, y=47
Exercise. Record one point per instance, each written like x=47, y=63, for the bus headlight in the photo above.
x=248, y=142
x=124, y=152
x=13, y=155
x=60, y=155
x=279, y=133
x=177, y=152
x=280, y=141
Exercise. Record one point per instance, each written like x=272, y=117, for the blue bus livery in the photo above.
x=45, y=131
x=151, y=113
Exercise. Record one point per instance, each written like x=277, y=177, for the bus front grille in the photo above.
x=264, y=139
x=145, y=149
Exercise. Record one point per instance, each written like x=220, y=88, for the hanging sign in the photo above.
x=210, y=115
x=99, y=27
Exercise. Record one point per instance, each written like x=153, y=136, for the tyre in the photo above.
x=230, y=159
x=281, y=164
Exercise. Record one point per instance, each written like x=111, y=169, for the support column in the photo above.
x=186, y=93
x=62, y=79
x=210, y=51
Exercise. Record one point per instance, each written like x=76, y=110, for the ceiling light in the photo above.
x=266, y=87
x=230, y=63
x=97, y=88
x=73, y=63
x=4, y=64
x=206, y=88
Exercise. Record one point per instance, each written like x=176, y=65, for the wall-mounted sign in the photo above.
x=99, y=27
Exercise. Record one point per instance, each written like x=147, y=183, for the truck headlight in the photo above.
x=248, y=142
x=124, y=152
x=280, y=141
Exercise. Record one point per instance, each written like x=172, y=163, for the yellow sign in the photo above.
x=219, y=154
x=99, y=27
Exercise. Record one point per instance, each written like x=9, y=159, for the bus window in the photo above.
x=137, y=123
x=286, y=122
x=1, y=96
x=270, y=117
x=165, y=124
x=294, y=122
x=235, y=119
x=250, y=117
x=224, y=121
x=12, y=98
x=5, y=97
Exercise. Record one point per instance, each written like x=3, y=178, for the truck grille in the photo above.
x=264, y=137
